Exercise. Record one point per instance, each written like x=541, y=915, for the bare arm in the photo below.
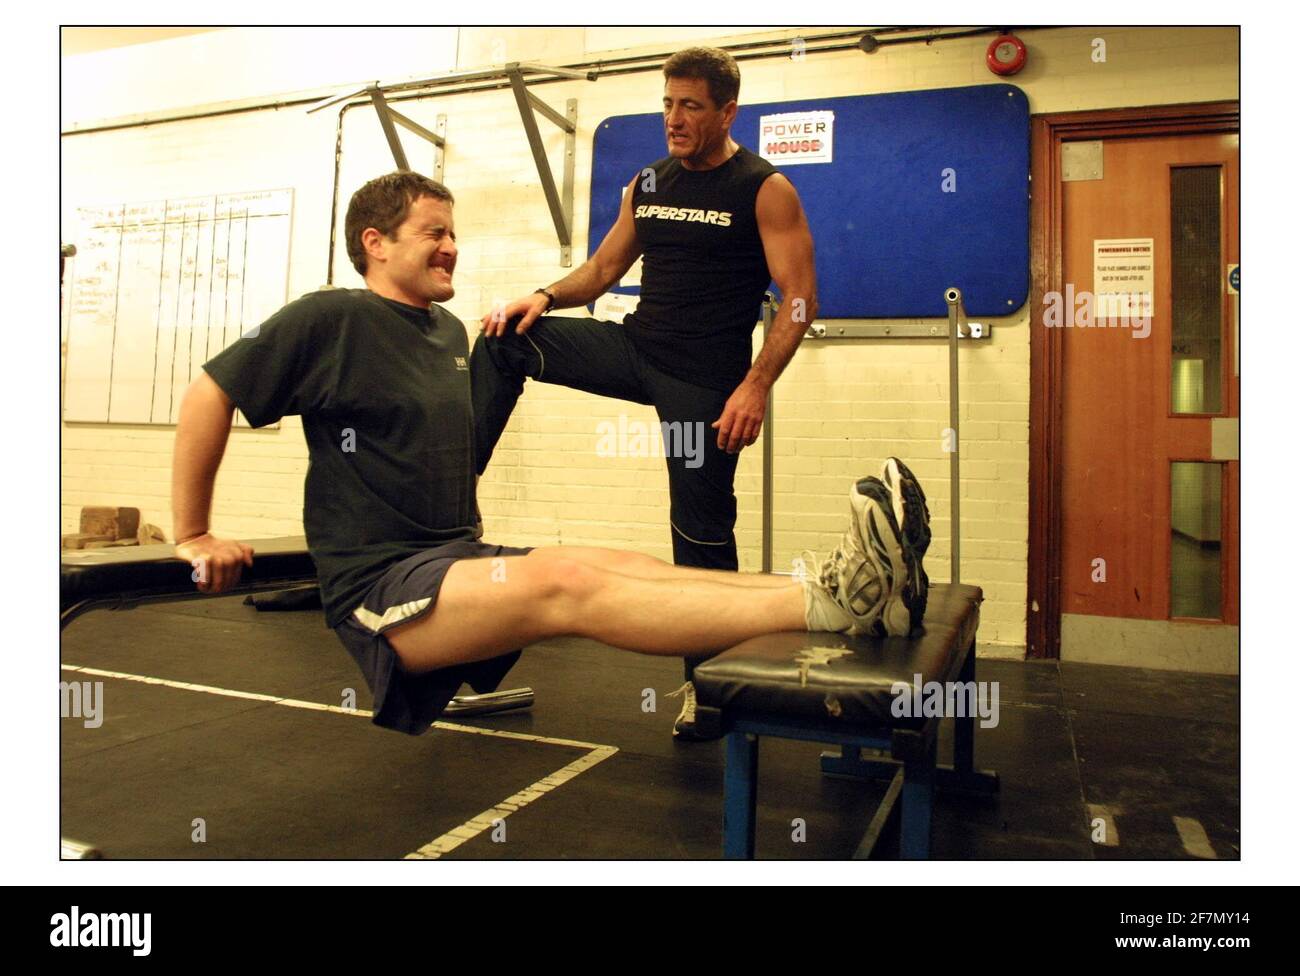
x=617, y=252
x=788, y=247
x=201, y=434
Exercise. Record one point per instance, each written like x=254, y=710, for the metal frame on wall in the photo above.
x=517, y=74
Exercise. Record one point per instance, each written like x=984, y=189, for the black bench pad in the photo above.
x=833, y=679
x=134, y=574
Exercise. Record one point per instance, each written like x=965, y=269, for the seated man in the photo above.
x=380, y=378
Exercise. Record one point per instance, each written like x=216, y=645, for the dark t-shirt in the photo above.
x=703, y=269
x=383, y=391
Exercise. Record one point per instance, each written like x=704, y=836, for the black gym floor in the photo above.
x=224, y=735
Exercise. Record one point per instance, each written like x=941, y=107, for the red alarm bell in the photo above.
x=1006, y=55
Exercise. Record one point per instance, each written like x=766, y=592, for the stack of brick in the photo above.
x=103, y=526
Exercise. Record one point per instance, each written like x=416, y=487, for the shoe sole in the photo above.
x=873, y=518
x=910, y=509
x=909, y=499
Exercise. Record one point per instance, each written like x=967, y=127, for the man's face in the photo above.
x=693, y=125
x=419, y=262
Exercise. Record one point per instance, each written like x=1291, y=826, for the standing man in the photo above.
x=716, y=224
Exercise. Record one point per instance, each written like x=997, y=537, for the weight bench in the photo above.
x=838, y=689
x=126, y=577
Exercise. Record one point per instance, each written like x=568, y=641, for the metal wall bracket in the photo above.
x=871, y=329
x=440, y=147
x=389, y=119
x=559, y=201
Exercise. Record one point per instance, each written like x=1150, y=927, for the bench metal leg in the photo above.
x=963, y=740
x=918, y=805
x=739, y=796
x=848, y=763
x=885, y=822
x=961, y=776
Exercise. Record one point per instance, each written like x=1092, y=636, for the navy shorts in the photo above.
x=409, y=589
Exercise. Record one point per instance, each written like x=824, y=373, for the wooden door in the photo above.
x=1149, y=474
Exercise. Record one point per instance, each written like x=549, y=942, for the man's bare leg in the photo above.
x=487, y=607
x=648, y=567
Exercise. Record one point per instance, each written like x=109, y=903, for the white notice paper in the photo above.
x=1124, y=277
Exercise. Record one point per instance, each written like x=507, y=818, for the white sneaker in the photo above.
x=823, y=610
x=859, y=588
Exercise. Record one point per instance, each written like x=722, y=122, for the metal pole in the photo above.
x=566, y=193
x=955, y=314
x=769, y=443
x=390, y=132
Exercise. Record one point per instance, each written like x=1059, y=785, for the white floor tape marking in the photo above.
x=488, y=819
x=1195, y=841
x=452, y=839
x=319, y=707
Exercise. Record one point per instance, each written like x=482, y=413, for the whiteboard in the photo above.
x=159, y=288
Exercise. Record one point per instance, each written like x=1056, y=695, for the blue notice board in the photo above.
x=925, y=190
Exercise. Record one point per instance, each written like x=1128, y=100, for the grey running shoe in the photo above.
x=904, y=600
x=866, y=575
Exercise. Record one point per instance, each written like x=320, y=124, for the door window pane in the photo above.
x=1196, y=566
x=1197, y=271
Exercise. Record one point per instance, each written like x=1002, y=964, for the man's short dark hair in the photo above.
x=384, y=204
x=710, y=64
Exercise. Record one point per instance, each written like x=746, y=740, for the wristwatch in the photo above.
x=550, y=299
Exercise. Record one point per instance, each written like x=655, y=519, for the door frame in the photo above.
x=1047, y=133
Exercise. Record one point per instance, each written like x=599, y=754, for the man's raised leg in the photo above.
x=583, y=354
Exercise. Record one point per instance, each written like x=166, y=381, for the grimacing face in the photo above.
x=418, y=263
x=693, y=126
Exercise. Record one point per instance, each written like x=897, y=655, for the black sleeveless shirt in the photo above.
x=703, y=269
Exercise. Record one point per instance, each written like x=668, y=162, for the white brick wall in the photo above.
x=839, y=410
